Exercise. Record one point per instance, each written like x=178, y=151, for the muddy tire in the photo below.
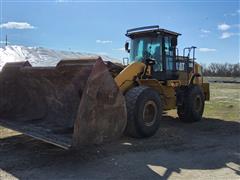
x=193, y=105
x=144, y=112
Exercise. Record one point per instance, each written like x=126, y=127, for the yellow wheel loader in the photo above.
x=89, y=101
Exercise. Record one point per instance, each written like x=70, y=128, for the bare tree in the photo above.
x=222, y=70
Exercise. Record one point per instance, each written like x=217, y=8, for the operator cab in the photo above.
x=160, y=45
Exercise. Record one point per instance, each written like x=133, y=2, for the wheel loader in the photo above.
x=88, y=101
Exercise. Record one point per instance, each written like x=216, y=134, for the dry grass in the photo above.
x=224, y=101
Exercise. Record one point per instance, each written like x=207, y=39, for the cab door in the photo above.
x=169, y=56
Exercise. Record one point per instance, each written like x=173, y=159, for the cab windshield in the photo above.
x=146, y=47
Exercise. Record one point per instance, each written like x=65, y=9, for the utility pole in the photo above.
x=6, y=40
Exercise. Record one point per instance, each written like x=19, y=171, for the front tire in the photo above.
x=193, y=104
x=144, y=112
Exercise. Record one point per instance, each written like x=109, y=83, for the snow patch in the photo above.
x=39, y=56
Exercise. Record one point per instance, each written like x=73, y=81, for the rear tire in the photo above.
x=144, y=112
x=193, y=104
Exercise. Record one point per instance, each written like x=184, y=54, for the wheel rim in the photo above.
x=198, y=104
x=149, y=113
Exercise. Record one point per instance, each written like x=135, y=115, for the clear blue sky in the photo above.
x=99, y=27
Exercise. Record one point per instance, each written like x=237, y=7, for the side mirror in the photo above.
x=127, y=47
x=174, y=42
x=125, y=61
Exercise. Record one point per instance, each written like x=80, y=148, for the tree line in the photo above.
x=222, y=70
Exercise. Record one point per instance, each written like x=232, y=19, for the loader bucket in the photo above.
x=73, y=104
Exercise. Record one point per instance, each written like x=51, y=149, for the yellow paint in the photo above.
x=126, y=78
x=132, y=76
x=206, y=91
x=167, y=92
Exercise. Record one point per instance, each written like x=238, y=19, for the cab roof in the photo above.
x=148, y=30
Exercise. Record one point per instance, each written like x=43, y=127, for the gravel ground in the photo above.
x=209, y=149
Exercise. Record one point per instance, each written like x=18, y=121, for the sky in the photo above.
x=100, y=26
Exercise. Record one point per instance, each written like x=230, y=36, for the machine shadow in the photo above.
x=180, y=146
